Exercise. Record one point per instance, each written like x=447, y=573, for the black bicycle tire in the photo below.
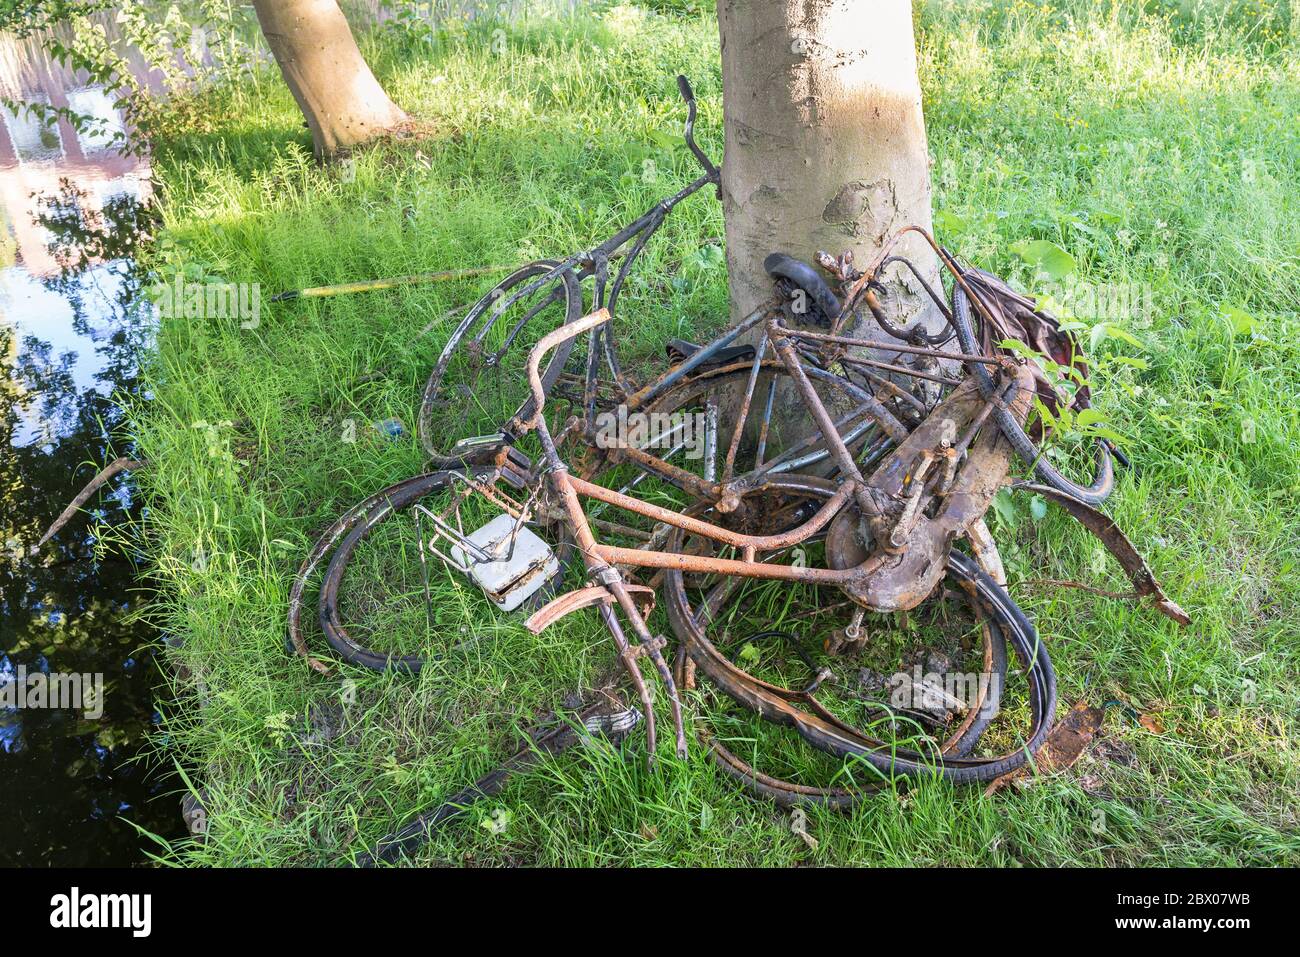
x=1103, y=482
x=360, y=521
x=998, y=605
x=789, y=794
x=437, y=458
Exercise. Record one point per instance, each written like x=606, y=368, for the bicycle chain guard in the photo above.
x=933, y=500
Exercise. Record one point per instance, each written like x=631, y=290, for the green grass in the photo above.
x=1161, y=151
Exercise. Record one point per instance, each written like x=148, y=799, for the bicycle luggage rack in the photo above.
x=511, y=578
x=504, y=557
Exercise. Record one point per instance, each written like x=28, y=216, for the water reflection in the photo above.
x=73, y=206
x=72, y=324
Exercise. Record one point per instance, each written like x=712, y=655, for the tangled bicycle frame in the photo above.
x=889, y=531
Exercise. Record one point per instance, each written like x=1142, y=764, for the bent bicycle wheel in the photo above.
x=731, y=425
x=374, y=588
x=702, y=610
x=477, y=397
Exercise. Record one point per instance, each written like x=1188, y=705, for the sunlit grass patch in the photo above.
x=1160, y=154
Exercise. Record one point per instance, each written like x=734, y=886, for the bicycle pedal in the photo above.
x=484, y=449
x=518, y=463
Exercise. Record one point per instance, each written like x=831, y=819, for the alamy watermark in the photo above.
x=74, y=909
x=184, y=299
x=56, y=690
x=674, y=431
x=1118, y=302
x=916, y=690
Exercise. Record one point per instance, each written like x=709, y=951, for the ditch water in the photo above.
x=75, y=787
x=73, y=323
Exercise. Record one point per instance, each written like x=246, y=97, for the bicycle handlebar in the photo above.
x=548, y=342
x=684, y=88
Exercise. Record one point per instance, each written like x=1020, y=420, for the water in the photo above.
x=73, y=324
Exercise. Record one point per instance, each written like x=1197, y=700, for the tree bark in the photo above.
x=825, y=142
x=343, y=103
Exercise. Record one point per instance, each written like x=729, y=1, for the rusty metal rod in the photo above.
x=901, y=370
x=705, y=565
x=729, y=463
x=696, y=526
x=883, y=346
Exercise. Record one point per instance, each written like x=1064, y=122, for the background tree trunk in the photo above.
x=825, y=141
x=342, y=101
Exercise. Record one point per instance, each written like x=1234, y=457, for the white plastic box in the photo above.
x=509, y=583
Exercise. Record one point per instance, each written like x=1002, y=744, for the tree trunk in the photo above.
x=342, y=101
x=825, y=142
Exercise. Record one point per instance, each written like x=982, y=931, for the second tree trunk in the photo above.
x=338, y=94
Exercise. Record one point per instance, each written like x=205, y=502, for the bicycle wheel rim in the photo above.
x=361, y=522
x=485, y=313
x=773, y=703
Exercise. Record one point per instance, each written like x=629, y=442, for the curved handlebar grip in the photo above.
x=684, y=87
x=548, y=342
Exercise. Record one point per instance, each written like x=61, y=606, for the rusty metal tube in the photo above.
x=705, y=565
x=790, y=359
x=696, y=526
x=884, y=346
x=549, y=342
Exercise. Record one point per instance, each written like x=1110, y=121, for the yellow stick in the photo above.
x=376, y=284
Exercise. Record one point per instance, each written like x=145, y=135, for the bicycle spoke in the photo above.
x=729, y=464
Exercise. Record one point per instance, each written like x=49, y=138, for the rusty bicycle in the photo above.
x=474, y=378
x=867, y=463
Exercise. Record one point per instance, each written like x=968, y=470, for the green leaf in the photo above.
x=1087, y=417
x=1004, y=507
x=1096, y=337
x=1119, y=332
x=1109, y=434
x=666, y=140
x=1045, y=414
x=705, y=258
x=1046, y=257
x=946, y=222
x=1038, y=508
x=1239, y=320
x=1019, y=348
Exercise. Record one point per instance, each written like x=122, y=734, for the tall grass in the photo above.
x=1160, y=147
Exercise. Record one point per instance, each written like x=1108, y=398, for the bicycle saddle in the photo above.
x=679, y=350
x=824, y=305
